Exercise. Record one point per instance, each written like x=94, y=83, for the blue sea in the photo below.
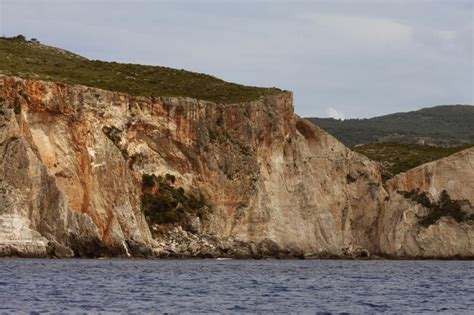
x=235, y=286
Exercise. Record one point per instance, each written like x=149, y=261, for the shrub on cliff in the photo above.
x=444, y=207
x=148, y=181
x=163, y=203
x=20, y=37
x=170, y=178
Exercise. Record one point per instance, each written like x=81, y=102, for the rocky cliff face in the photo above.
x=74, y=157
x=33, y=209
x=56, y=163
x=443, y=190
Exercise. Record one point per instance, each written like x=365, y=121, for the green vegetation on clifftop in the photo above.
x=396, y=158
x=32, y=60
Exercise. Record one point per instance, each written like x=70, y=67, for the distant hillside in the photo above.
x=446, y=125
x=395, y=158
x=30, y=59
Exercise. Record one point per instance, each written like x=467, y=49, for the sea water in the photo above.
x=235, y=286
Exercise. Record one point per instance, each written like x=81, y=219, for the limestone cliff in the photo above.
x=450, y=233
x=73, y=158
x=55, y=166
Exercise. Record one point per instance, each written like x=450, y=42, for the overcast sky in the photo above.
x=340, y=58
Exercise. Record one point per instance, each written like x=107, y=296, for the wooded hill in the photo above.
x=447, y=125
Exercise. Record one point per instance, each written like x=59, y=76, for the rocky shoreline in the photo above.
x=177, y=243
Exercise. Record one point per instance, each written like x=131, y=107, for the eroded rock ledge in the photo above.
x=73, y=160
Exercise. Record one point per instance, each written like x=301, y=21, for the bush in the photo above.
x=170, y=204
x=170, y=178
x=420, y=197
x=148, y=181
x=17, y=106
x=445, y=207
x=20, y=37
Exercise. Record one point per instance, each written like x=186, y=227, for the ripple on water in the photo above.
x=144, y=286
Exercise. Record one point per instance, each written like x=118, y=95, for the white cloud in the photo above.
x=359, y=35
x=446, y=42
x=334, y=113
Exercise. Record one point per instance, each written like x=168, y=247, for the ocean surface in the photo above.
x=235, y=286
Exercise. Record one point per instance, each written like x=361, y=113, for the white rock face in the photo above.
x=314, y=194
x=17, y=239
x=400, y=232
x=455, y=174
x=33, y=209
x=73, y=160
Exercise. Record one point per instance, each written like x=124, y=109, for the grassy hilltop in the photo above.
x=396, y=158
x=32, y=60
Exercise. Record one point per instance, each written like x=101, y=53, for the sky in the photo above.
x=341, y=59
